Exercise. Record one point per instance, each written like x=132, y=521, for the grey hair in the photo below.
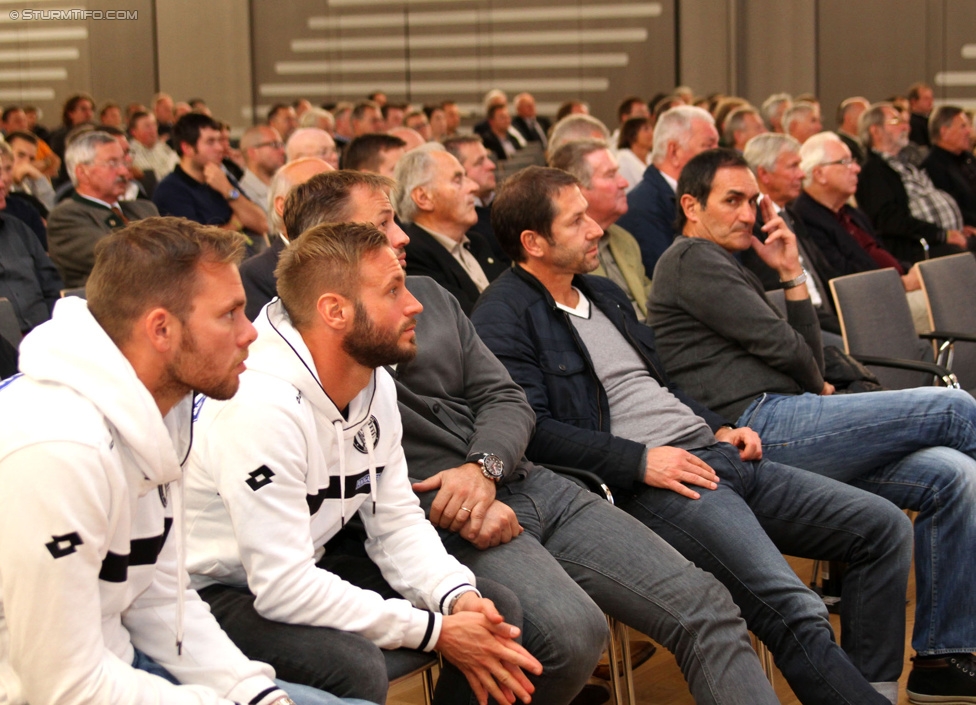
x=942, y=117
x=794, y=111
x=673, y=126
x=571, y=158
x=813, y=153
x=872, y=117
x=280, y=185
x=773, y=107
x=763, y=150
x=414, y=169
x=736, y=121
x=576, y=127
x=311, y=117
x=82, y=151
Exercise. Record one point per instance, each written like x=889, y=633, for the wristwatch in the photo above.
x=491, y=465
x=233, y=195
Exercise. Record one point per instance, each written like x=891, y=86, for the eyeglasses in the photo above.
x=273, y=145
x=112, y=163
x=846, y=161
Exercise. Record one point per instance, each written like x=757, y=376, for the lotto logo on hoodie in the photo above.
x=61, y=546
x=359, y=442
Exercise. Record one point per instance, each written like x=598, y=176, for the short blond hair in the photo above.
x=324, y=259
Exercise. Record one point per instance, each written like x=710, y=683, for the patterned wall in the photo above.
x=428, y=50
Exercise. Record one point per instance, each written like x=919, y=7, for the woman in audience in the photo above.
x=634, y=149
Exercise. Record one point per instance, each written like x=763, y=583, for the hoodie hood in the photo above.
x=280, y=351
x=74, y=351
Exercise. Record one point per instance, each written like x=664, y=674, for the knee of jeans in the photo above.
x=891, y=531
x=361, y=669
x=505, y=601
x=574, y=637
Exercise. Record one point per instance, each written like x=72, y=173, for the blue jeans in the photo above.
x=301, y=694
x=571, y=535
x=763, y=509
x=914, y=447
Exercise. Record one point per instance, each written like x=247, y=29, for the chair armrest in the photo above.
x=948, y=379
x=948, y=336
x=590, y=480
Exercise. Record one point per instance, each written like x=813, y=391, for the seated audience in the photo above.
x=258, y=271
x=532, y=126
x=910, y=214
x=94, y=607
x=602, y=185
x=772, y=111
x=312, y=142
x=680, y=134
x=435, y=202
x=478, y=166
x=576, y=127
x=848, y=115
x=603, y=403
x=920, y=102
x=100, y=176
x=149, y=152
x=200, y=190
x=311, y=439
x=802, y=121
x=731, y=350
x=950, y=163
x=634, y=149
x=741, y=125
x=501, y=139
x=283, y=119
x=264, y=154
x=483, y=423
x=375, y=152
x=27, y=178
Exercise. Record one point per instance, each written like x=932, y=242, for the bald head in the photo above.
x=312, y=142
x=413, y=138
x=285, y=179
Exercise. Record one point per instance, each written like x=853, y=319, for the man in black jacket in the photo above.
x=950, y=163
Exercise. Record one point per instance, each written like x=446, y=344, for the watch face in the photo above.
x=493, y=466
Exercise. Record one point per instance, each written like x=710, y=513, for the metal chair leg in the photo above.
x=620, y=663
x=765, y=658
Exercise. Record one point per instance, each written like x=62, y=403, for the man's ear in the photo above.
x=534, y=244
x=422, y=198
x=762, y=176
x=691, y=207
x=162, y=329
x=335, y=310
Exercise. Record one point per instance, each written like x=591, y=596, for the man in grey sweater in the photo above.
x=728, y=348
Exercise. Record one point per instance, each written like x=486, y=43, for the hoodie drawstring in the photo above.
x=368, y=437
x=340, y=444
x=181, y=576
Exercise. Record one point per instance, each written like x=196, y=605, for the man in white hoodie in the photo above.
x=312, y=438
x=93, y=607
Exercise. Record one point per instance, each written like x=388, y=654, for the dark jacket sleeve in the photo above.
x=507, y=333
x=881, y=194
x=47, y=274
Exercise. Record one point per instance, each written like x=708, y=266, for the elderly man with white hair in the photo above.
x=312, y=142
x=680, y=134
x=434, y=199
x=802, y=121
x=100, y=174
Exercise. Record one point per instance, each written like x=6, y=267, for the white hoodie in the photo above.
x=276, y=471
x=90, y=472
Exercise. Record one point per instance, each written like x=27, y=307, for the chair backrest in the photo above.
x=949, y=284
x=875, y=320
x=9, y=324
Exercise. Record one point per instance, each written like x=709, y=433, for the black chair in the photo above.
x=877, y=326
x=949, y=284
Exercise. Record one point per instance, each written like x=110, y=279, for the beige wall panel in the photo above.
x=204, y=51
x=123, y=61
x=777, y=49
x=424, y=52
x=874, y=48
